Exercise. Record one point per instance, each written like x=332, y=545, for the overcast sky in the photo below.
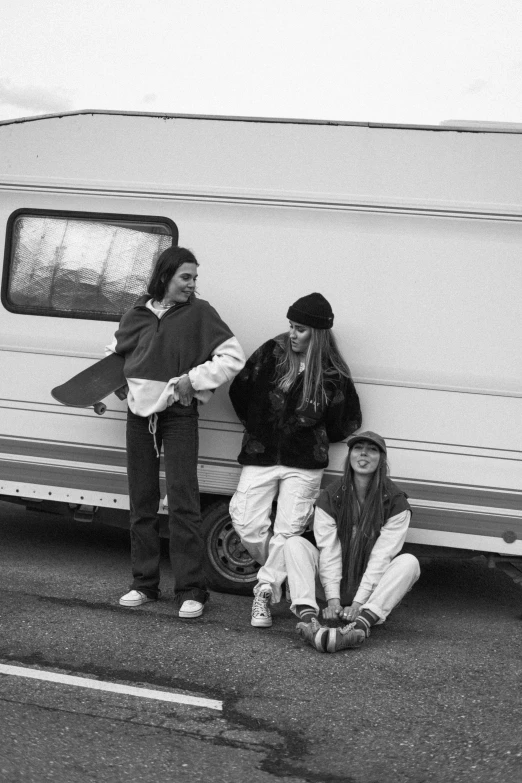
x=398, y=61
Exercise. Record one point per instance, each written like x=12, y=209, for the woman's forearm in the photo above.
x=227, y=360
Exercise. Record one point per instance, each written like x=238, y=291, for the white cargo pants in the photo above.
x=302, y=564
x=250, y=509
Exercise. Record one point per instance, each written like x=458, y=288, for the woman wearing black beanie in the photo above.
x=294, y=396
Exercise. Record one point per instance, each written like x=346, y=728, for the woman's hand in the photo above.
x=350, y=613
x=332, y=610
x=185, y=390
x=122, y=392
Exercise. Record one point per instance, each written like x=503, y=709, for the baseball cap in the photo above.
x=371, y=436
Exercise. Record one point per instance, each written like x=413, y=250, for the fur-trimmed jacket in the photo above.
x=276, y=431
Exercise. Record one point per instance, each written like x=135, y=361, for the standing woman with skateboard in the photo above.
x=360, y=526
x=177, y=350
x=294, y=397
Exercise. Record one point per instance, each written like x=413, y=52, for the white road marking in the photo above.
x=112, y=687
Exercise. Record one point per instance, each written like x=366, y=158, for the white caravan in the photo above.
x=413, y=233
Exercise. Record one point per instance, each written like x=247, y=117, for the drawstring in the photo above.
x=153, y=426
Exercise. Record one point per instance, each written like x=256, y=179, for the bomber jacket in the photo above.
x=190, y=338
x=276, y=432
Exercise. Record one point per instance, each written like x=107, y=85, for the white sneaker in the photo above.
x=135, y=598
x=191, y=608
x=261, y=615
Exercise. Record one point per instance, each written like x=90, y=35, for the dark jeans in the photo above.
x=177, y=430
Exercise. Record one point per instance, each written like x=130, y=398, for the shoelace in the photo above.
x=260, y=605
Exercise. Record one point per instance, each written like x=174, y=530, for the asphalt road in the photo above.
x=433, y=696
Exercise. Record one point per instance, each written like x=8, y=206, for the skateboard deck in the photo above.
x=92, y=385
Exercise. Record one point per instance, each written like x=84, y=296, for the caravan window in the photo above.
x=78, y=264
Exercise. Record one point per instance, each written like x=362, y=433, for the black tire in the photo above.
x=228, y=566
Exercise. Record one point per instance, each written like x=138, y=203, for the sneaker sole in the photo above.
x=188, y=615
x=261, y=623
x=137, y=603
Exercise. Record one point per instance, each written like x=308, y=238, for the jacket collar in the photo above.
x=141, y=303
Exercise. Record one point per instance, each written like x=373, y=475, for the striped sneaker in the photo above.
x=344, y=638
x=314, y=633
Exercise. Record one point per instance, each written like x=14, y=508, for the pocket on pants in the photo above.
x=252, y=497
x=237, y=508
x=303, y=508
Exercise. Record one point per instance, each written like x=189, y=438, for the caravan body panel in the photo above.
x=413, y=234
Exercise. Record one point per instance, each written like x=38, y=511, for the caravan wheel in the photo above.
x=228, y=566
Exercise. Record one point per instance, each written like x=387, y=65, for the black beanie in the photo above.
x=312, y=310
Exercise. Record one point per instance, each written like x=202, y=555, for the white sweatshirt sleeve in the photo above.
x=329, y=546
x=387, y=546
x=227, y=360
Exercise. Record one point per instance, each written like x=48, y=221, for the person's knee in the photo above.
x=410, y=564
x=294, y=544
x=293, y=515
x=296, y=548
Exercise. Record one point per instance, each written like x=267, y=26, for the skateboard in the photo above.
x=91, y=386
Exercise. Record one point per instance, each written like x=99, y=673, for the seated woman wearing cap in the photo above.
x=294, y=396
x=360, y=526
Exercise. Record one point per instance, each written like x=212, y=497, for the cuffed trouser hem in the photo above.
x=192, y=594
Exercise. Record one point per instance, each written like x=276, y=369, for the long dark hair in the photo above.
x=359, y=526
x=166, y=267
x=322, y=353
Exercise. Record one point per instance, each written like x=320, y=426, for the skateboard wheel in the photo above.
x=100, y=408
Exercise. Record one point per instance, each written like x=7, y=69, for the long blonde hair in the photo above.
x=322, y=354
